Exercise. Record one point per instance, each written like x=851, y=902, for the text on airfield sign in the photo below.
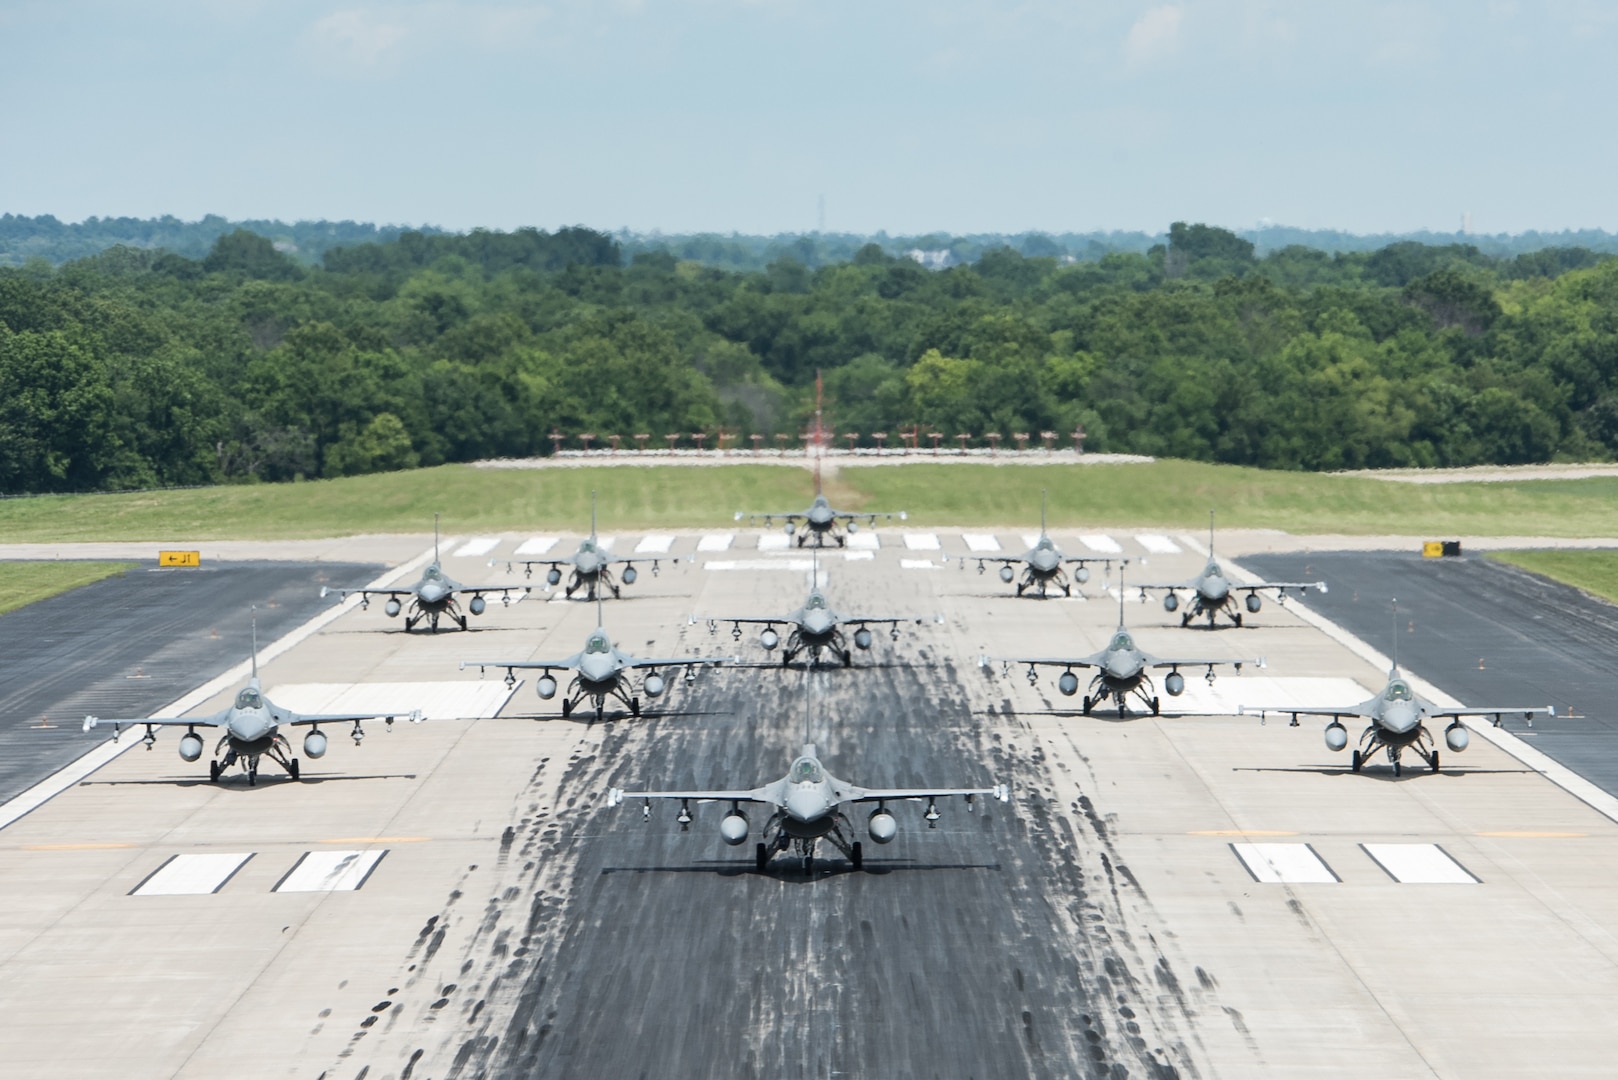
x=179, y=558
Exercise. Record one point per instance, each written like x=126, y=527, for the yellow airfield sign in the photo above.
x=179, y=558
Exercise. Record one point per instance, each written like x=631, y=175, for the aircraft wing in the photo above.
x=512, y=665
x=871, y=516
x=1041, y=661
x=1336, y=714
x=713, y=621
x=858, y=794
x=293, y=719
x=879, y=620
x=326, y=590
x=679, y=661
x=216, y=720
x=794, y=515
x=1280, y=586
x=766, y=794
x=502, y=591
x=1497, y=713
x=1153, y=661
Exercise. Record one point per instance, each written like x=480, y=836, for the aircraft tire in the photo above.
x=858, y=856
x=292, y=768
x=252, y=776
x=634, y=706
x=1085, y=708
x=848, y=658
x=1435, y=761
x=1122, y=712
x=761, y=856
x=1397, y=770
x=1356, y=762
x=213, y=772
x=567, y=709
x=1238, y=618
x=1156, y=709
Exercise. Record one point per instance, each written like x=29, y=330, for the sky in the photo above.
x=904, y=116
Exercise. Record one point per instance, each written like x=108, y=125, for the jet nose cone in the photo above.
x=432, y=593
x=1215, y=588
x=250, y=727
x=1044, y=560
x=817, y=622
x=805, y=802
x=1120, y=667
x=1401, y=718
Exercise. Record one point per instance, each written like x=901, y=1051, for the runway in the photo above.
x=1197, y=896
x=130, y=644
x=1489, y=634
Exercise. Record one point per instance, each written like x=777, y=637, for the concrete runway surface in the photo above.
x=1142, y=907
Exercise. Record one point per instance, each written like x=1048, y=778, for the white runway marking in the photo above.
x=192, y=875
x=1231, y=692
x=1419, y=864
x=1284, y=864
x=539, y=545
x=799, y=565
x=654, y=544
x=480, y=545
x=922, y=542
x=980, y=542
x=436, y=700
x=856, y=556
x=1030, y=540
x=917, y=564
x=774, y=541
x=605, y=543
x=1157, y=544
x=1106, y=545
x=715, y=541
x=330, y=871
x=864, y=541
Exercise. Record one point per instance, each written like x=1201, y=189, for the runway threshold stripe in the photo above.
x=980, y=542
x=330, y=871
x=1420, y=864
x=864, y=541
x=716, y=541
x=1106, y=545
x=1285, y=864
x=774, y=541
x=192, y=875
x=917, y=564
x=1157, y=544
x=539, y=545
x=922, y=542
x=480, y=545
x=654, y=544
x=857, y=556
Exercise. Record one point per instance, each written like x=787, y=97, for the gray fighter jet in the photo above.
x=252, y=730
x=815, y=627
x=1043, y=564
x=601, y=671
x=433, y=595
x=1212, y=593
x=806, y=805
x=822, y=522
x=591, y=565
x=1120, y=671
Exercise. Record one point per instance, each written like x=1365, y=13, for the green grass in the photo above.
x=22, y=583
x=1166, y=494
x=1595, y=572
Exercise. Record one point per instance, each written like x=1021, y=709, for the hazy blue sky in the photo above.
x=738, y=114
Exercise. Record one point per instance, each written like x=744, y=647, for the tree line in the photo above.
x=142, y=367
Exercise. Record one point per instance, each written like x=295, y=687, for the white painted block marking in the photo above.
x=1157, y=544
x=715, y=541
x=864, y=541
x=480, y=545
x=817, y=579
x=1420, y=864
x=980, y=542
x=1230, y=693
x=539, y=545
x=774, y=541
x=654, y=544
x=192, y=875
x=922, y=542
x=798, y=565
x=1105, y=545
x=605, y=542
x=1284, y=864
x=858, y=556
x=437, y=700
x=1030, y=540
x=330, y=871
x=917, y=564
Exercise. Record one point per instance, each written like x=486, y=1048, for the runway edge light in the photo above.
x=179, y=558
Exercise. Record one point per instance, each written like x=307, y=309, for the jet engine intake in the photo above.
x=630, y=574
x=882, y=825
x=545, y=687
x=1068, y=684
x=654, y=685
x=477, y=605
x=1174, y=684
x=1456, y=737
x=1006, y=574
x=554, y=577
x=733, y=828
x=1336, y=736
x=769, y=639
x=862, y=638
x=392, y=607
x=1254, y=603
x=314, y=744
x=191, y=746
x=1171, y=602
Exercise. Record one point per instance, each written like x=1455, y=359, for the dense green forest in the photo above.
x=139, y=367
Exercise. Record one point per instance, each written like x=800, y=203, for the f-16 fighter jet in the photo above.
x=591, y=565
x=1120, y=671
x=1212, y=594
x=600, y=671
x=806, y=805
x=433, y=596
x=1043, y=565
x=252, y=730
x=1398, y=722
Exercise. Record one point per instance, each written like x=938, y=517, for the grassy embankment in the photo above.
x=22, y=583
x=1595, y=572
x=1166, y=494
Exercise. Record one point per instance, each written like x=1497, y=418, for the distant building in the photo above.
x=933, y=260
